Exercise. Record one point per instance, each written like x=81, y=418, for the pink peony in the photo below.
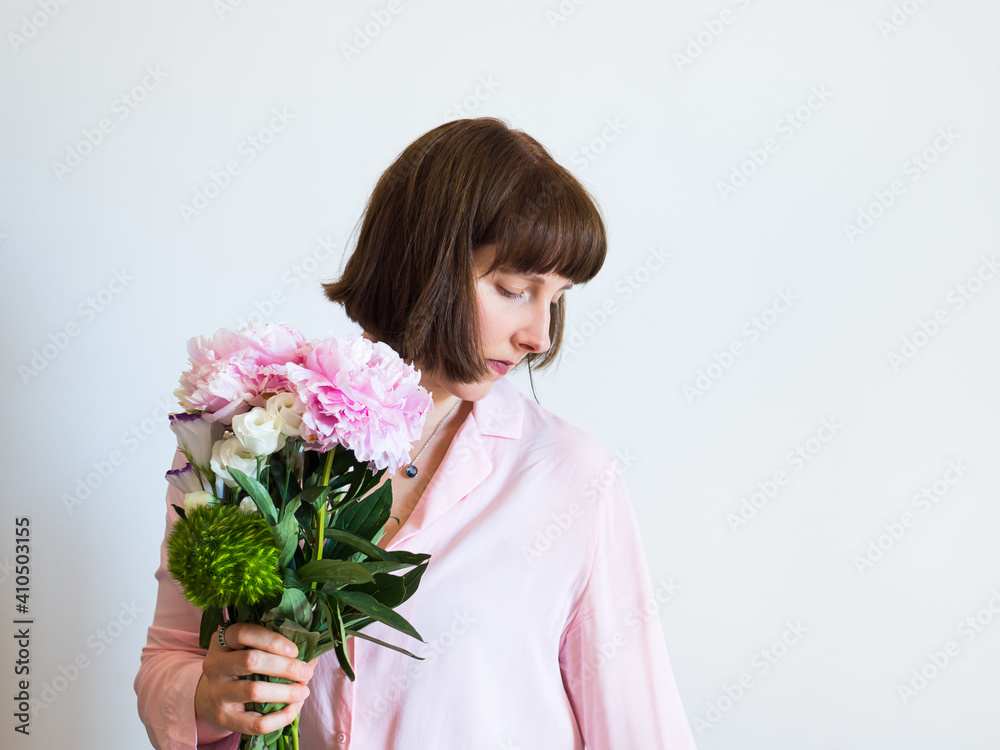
x=362, y=395
x=233, y=370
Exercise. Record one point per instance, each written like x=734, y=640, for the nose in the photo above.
x=533, y=335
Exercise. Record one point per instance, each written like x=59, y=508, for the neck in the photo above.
x=444, y=403
x=443, y=400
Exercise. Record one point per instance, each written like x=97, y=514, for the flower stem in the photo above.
x=291, y=449
x=202, y=481
x=295, y=733
x=321, y=519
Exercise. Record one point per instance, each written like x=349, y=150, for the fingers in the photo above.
x=250, y=649
x=253, y=649
x=247, y=635
x=240, y=692
x=221, y=697
x=232, y=716
x=220, y=638
x=251, y=722
x=247, y=661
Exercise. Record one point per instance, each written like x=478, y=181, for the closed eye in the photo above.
x=511, y=295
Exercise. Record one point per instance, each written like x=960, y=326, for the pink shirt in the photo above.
x=539, y=615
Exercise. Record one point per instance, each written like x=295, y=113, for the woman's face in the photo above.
x=514, y=310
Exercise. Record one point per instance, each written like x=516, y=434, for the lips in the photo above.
x=500, y=367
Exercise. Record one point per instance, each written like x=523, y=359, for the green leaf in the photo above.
x=304, y=514
x=291, y=580
x=354, y=541
x=340, y=643
x=411, y=558
x=360, y=478
x=370, y=478
x=358, y=623
x=289, y=509
x=387, y=589
x=367, y=517
x=211, y=619
x=336, y=572
x=294, y=606
x=343, y=460
x=286, y=532
x=278, y=468
x=344, y=660
x=258, y=493
x=306, y=640
x=271, y=737
x=332, y=609
x=373, y=608
x=357, y=478
x=412, y=579
x=313, y=496
x=382, y=566
x=338, y=621
x=382, y=643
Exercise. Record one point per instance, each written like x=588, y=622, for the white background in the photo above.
x=695, y=89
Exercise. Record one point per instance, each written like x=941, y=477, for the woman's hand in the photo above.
x=220, y=696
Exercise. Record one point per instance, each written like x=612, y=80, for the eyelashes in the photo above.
x=510, y=295
x=520, y=295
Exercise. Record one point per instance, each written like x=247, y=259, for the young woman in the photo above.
x=537, y=608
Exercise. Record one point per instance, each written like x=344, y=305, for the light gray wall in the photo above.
x=817, y=114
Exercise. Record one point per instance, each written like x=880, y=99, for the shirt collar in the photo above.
x=500, y=412
x=468, y=461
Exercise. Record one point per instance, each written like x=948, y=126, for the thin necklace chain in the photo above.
x=427, y=442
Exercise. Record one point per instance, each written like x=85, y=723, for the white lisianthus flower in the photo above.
x=247, y=505
x=259, y=432
x=230, y=452
x=282, y=405
x=197, y=499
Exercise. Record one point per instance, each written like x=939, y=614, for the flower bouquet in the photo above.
x=287, y=440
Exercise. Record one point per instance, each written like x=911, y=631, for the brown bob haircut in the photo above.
x=410, y=281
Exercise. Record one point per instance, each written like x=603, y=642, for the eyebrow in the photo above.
x=539, y=280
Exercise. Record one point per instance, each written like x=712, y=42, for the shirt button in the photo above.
x=341, y=737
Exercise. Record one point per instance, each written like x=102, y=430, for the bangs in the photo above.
x=548, y=224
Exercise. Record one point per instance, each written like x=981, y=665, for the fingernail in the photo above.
x=307, y=672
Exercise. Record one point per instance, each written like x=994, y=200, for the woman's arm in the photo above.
x=171, y=661
x=192, y=698
x=613, y=654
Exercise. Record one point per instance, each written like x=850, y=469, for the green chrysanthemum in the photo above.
x=222, y=556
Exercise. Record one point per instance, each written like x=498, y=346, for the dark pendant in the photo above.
x=411, y=471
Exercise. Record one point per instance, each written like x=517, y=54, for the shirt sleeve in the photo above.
x=170, y=663
x=613, y=655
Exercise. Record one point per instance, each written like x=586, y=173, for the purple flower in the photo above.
x=195, y=437
x=185, y=480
